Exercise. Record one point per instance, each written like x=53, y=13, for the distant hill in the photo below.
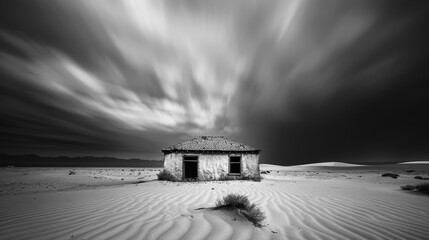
x=31, y=160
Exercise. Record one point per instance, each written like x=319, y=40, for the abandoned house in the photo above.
x=211, y=158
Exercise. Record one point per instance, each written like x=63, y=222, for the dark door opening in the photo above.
x=190, y=167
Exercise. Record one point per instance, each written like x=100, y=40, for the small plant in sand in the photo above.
x=407, y=187
x=244, y=177
x=421, y=178
x=422, y=187
x=252, y=178
x=165, y=175
x=392, y=175
x=241, y=204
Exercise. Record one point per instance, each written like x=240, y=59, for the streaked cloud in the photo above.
x=156, y=72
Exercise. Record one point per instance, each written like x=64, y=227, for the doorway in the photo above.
x=190, y=167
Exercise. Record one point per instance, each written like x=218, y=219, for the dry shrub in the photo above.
x=243, y=177
x=422, y=187
x=392, y=175
x=242, y=205
x=166, y=175
x=407, y=187
x=257, y=179
x=225, y=178
x=254, y=214
x=233, y=201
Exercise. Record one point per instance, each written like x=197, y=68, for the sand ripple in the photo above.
x=157, y=210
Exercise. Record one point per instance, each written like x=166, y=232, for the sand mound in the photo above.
x=330, y=164
x=321, y=164
x=301, y=209
x=416, y=162
x=272, y=167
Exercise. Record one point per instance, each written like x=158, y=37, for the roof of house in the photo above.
x=210, y=144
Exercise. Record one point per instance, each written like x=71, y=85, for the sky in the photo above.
x=303, y=80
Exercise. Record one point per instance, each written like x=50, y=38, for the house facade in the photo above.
x=211, y=158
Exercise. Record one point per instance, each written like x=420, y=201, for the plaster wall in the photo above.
x=212, y=166
x=173, y=163
x=250, y=165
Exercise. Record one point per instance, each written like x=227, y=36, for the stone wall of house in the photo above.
x=212, y=166
x=173, y=164
x=250, y=165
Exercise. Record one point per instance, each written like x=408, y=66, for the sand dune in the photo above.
x=321, y=164
x=416, y=162
x=330, y=164
x=339, y=166
x=296, y=208
x=272, y=167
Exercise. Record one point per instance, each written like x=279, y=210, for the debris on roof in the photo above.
x=210, y=143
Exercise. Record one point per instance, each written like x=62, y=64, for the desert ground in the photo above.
x=317, y=201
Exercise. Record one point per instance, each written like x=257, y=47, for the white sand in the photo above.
x=25, y=180
x=416, y=162
x=299, y=204
x=331, y=164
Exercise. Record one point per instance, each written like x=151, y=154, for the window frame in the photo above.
x=229, y=164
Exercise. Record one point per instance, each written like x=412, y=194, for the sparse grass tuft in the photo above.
x=243, y=177
x=392, y=175
x=225, y=178
x=233, y=201
x=252, y=178
x=407, y=187
x=254, y=214
x=241, y=204
x=422, y=187
x=257, y=179
x=166, y=175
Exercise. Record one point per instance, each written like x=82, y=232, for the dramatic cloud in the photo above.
x=347, y=82
x=306, y=81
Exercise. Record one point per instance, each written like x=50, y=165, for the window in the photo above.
x=235, y=165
